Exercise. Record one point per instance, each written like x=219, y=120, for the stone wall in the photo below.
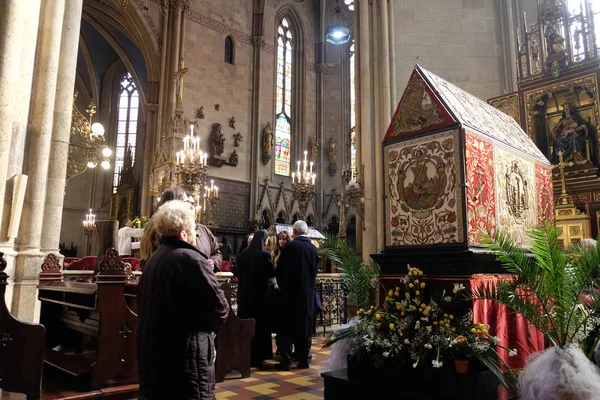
x=459, y=40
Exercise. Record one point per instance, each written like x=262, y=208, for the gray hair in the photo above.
x=300, y=227
x=588, y=243
x=174, y=217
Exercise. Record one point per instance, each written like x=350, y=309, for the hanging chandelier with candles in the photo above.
x=303, y=184
x=191, y=163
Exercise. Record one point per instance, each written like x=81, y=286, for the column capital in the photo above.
x=258, y=41
x=182, y=5
x=152, y=108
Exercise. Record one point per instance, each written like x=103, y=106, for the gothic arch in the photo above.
x=289, y=12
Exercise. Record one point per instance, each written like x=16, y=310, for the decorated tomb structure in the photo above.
x=457, y=169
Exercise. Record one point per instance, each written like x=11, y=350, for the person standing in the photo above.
x=124, y=237
x=180, y=307
x=255, y=267
x=206, y=242
x=296, y=277
x=225, y=249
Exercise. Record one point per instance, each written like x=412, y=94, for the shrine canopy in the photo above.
x=457, y=169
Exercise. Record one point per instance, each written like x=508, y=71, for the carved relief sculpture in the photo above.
x=232, y=122
x=179, y=80
x=200, y=113
x=569, y=136
x=237, y=139
x=217, y=141
x=267, y=143
x=331, y=152
x=314, y=149
x=217, y=107
x=234, y=159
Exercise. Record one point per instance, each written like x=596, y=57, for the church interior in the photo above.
x=413, y=137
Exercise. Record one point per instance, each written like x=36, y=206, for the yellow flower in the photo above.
x=435, y=323
x=369, y=312
x=410, y=285
x=451, y=316
x=397, y=288
x=485, y=332
x=446, y=315
x=378, y=317
x=473, y=330
x=378, y=324
x=416, y=281
x=396, y=294
x=478, y=331
x=409, y=273
x=447, y=325
x=425, y=312
x=422, y=285
x=403, y=314
x=420, y=272
x=398, y=306
x=460, y=339
x=453, y=329
x=390, y=292
x=392, y=327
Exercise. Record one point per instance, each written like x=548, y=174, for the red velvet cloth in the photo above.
x=225, y=266
x=135, y=263
x=83, y=264
x=514, y=331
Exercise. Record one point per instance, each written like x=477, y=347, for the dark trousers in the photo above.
x=301, y=348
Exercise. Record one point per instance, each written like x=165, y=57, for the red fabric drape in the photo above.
x=514, y=331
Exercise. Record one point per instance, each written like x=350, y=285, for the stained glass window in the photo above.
x=283, y=98
x=129, y=104
x=352, y=109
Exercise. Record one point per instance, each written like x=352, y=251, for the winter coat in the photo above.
x=296, y=277
x=180, y=306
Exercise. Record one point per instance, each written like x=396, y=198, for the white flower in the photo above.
x=406, y=341
x=386, y=354
x=458, y=287
x=405, y=279
x=447, y=299
x=415, y=365
x=495, y=339
x=428, y=329
x=437, y=364
x=512, y=353
x=426, y=319
x=428, y=346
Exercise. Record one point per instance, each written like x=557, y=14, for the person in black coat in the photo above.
x=255, y=267
x=296, y=276
x=180, y=307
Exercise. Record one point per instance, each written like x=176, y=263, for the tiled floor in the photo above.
x=297, y=384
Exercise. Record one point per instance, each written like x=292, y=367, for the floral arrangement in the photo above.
x=423, y=328
x=139, y=222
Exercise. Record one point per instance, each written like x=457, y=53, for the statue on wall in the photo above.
x=234, y=159
x=314, y=149
x=570, y=134
x=179, y=78
x=200, y=113
x=237, y=139
x=332, y=150
x=217, y=140
x=232, y=122
x=267, y=143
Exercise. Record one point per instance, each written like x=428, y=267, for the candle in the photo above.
x=305, y=153
x=293, y=176
x=177, y=156
x=298, y=167
x=204, y=203
x=216, y=192
x=311, y=164
x=212, y=184
x=192, y=129
x=314, y=177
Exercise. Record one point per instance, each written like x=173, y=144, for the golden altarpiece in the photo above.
x=557, y=105
x=123, y=201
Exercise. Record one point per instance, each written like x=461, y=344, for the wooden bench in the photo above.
x=21, y=350
x=91, y=333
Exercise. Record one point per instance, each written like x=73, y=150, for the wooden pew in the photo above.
x=91, y=334
x=21, y=349
x=233, y=343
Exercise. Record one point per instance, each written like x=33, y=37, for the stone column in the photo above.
x=40, y=124
x=255, y=134
x=12, y=21
x=63, y=110
x=509, y=45
x=392, y=51
x=378, y=120
x=369, y=237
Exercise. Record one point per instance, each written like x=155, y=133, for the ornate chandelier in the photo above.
x=303, y=184
x=191, y=163
x=350, y=4
x=338, y=33
x=87, y=146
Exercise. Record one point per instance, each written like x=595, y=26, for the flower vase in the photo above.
x=461, y=366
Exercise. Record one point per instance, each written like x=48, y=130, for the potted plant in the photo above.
x=551, y=288
x=461, y=353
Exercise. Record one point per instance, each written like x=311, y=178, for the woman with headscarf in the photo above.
x=255, y=267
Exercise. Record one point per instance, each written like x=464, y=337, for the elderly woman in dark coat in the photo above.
x=255, y=267
x=180, y=307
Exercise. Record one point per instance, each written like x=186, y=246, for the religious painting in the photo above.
x=481, y=198
x=545, y=195
x=423, y=194
x=418, y=110
x=516, y=204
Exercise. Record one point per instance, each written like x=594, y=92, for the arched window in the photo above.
x=129, y=104
x=229, y=50
x=283, y=99
x=352, y=109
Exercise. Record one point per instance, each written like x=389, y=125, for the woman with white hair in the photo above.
x=180, y=307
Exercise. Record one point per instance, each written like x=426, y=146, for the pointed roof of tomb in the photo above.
x=430, y=103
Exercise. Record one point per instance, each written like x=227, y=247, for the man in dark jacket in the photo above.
x=180, y=307
x=296, y=276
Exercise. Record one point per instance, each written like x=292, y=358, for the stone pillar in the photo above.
x=369, y=237
x=63, y=110
x=107, y=236
x=509, y=45
x=40, y=124
x=392, y=51
x=255, y=134
x=18, y=28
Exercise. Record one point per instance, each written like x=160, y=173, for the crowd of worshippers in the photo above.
x=181, y=304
